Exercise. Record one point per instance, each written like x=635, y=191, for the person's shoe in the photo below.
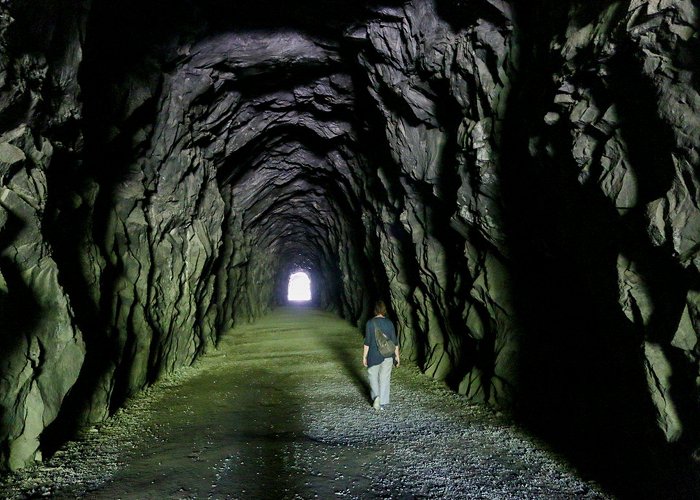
x=382, y=407
x=376, y=403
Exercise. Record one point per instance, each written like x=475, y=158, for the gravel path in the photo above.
x=281, y=411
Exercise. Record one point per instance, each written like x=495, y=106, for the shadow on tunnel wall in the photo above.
x=71, y=232
x=19, y=310
x=68, y=236
x=20, y=313
x=582, y=377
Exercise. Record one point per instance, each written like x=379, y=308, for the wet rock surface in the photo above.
x=281, y=411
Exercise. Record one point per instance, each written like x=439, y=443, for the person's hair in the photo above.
x=380, y=308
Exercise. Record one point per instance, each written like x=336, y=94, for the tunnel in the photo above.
x=518, y=181
x=299, y=287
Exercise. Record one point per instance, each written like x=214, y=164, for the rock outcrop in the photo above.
x=520, y=181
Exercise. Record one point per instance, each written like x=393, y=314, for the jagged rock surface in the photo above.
x=520, y=181
x=42, y=346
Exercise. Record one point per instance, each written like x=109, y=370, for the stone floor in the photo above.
x=281, y=411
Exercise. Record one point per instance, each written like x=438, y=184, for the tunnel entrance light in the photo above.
x=299, y=289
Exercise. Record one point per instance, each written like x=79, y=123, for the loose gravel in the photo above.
x=281, y=411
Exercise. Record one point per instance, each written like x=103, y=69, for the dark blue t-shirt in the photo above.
x=387, y=327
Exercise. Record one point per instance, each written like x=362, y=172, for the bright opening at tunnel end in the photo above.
x=299, y=289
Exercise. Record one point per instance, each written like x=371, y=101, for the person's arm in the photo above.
x=365, y=349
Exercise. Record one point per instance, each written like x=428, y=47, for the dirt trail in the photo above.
x=281, y=411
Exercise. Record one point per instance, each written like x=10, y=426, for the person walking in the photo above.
x=378, y=367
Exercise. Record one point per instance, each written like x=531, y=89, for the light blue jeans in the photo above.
x=380, y=380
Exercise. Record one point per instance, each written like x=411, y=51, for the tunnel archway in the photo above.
x=299, y=288
x=159, y=189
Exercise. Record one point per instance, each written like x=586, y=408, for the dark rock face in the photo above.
x=42, y=345
x=521, y=183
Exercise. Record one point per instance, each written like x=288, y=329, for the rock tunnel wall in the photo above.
x=520, y=182
x=541, y=237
